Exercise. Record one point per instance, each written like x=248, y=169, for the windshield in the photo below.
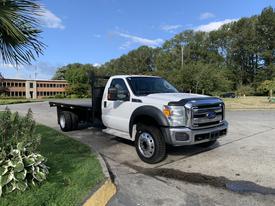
x=150, y=85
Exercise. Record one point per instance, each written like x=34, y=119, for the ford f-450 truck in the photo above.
x=149, y=111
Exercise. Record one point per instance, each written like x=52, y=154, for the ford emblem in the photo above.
x=211, y=115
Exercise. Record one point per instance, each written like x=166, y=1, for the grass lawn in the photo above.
x=248, y=103
x=15, y=101
x=74, y=171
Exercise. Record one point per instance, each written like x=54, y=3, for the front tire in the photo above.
x=150, y=144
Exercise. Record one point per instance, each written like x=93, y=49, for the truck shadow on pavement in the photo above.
x=184, y=151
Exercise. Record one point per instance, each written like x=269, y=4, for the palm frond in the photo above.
x=19, y=31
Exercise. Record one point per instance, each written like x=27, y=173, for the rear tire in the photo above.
x=75, y=121
x=150, y=144
x=65, y=121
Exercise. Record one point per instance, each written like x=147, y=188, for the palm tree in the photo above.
x=19, y=31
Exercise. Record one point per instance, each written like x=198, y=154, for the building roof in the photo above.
x=37, y=80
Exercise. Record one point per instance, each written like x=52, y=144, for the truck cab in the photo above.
x=151, y=112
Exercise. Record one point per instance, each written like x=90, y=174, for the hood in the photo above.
x=165, y=98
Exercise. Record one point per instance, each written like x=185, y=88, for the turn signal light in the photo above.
x=167, y=111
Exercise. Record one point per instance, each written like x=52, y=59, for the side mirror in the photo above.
x=112, y=94
x=123, y=96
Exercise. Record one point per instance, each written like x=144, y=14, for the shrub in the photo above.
x=59, y=96
x=20, y=164
x=245, y=90
x=74, y=96
x=266, y=86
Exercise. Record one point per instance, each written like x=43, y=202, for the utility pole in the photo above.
x=35, y=73
x=181, y=56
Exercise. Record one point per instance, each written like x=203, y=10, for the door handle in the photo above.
x=105, y=104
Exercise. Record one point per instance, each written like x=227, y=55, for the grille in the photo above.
x=205, y=116
x=210, y=136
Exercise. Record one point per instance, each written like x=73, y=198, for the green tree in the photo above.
x=265, y=28
x=19, y=31
x=138, y=61
x=266, y=86
x=60, y=74
x=77, y=77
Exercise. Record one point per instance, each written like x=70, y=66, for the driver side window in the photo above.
x=121, y=87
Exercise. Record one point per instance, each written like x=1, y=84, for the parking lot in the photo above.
x=239, y=170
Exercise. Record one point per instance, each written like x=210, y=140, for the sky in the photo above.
x=96, y=31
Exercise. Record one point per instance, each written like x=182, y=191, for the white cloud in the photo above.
x=170, y=28
x=206, y=15
x=139, y=40
x=50, y=20
x=215, y=25
x=7, y=66
x=42, y=70
x=96, y=64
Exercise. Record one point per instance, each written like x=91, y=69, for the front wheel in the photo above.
x=150, y=144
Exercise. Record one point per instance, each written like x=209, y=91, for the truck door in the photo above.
x=116, y=114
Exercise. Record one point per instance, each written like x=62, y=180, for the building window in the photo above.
x=31, y=85
x=24, y=85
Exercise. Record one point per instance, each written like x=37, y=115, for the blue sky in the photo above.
x=95, y=31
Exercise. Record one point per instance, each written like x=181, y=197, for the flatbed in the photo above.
x=85, y=103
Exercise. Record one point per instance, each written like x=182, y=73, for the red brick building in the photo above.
x=32, y=89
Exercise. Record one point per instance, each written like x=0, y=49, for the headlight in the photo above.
x=175, y=115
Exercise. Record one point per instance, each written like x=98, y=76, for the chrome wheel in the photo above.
x=146, y=144
x=62, y=121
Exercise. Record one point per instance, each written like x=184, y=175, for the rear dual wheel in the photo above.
x=68, y=121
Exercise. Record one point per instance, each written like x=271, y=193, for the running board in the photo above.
x=117, y=133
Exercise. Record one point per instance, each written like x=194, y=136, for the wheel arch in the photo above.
x=147, y=115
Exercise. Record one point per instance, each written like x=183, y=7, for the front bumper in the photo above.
x=186, y=136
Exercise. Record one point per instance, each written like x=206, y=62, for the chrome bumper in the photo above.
x=186, y=136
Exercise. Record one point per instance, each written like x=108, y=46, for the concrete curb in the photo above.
x=102, y=195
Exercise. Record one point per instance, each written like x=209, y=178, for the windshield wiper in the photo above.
x=146, y=92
